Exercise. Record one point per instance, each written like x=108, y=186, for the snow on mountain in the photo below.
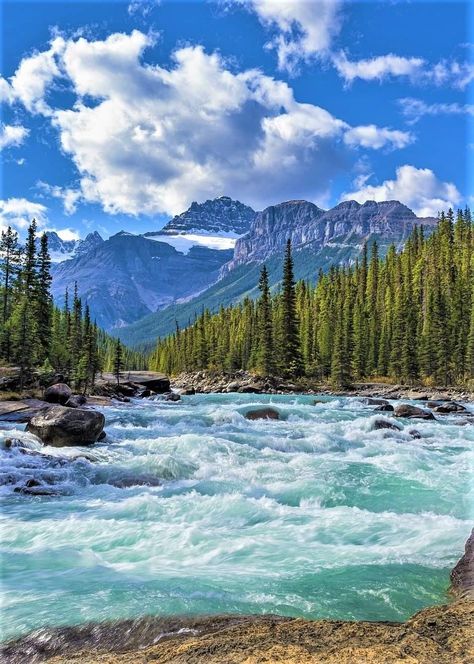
x=63, y=250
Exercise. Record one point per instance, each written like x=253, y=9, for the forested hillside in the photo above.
x=407, y=317
x=37, y=336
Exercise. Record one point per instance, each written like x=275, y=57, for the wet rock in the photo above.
x=102, y=436
x=134, y=480
x=59, y=393
x=449, y=407
x=76, y=401
x=263, y=414
x=415, y=434
x=35, y=491
x=188, y=391
x=158, y=385
x=62, y=426
x=385, y=424
x=370, y=401
x=250, y=389
x=172, y=396
x=408, y=411
x=233, y=386
x=462, y=576
x=385, y=408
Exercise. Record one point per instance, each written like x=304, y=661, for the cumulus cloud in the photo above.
x=417, y=70
x=371, y=136
x=12, y=135
x=147, y=139
x=418, y=188
x=32, y=78
x=19, y=212
x=415, y=109
x=304, y=28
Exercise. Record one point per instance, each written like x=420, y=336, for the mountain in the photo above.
x=213, y=217
x=61, y=250
x=307, y=225
x=128, y=276
x=320, y=238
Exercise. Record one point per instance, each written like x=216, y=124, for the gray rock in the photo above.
x=76, y=401
x=408, y=411
x=385, y=424
x=449, y=407
x=59, y=393
x=61, y=426
x=386, y=408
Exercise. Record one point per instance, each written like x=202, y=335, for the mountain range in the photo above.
x=139, y=286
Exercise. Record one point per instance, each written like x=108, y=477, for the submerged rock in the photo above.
x=406, y=410
x=385, y=424
x=59, y=393
x=62, y=426
x=385, y=408
x=449, y=407
x=263, y=414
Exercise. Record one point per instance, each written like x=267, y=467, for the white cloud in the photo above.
x=147, y=139
x=12, y=135
x=142, y=7
x=32, y=78
x=66, y=234
x=304, y=28
x=371, y=136
x=414, y=109
x=377, y=68
x=19, y=212
x=417, y=70
x=418, y=188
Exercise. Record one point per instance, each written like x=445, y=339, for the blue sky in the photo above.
x=118, y=115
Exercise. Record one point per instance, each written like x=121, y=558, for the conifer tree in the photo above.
x=292, y=362
x=118, y=361
x=266, y=351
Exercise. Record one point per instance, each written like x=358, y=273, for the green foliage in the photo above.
x=35, y=335
x=408, y=316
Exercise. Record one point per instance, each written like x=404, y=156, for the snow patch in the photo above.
x=184, y=242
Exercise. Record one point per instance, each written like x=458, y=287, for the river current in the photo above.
x=190, y=508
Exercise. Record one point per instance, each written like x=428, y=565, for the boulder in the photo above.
x=250, y=389
x=462, y=576
x=406, y=410
x=188, y=391
x=449, y=407
x=76, y=401
x=371, y=401
x=59, y=393
x=158, y=385
x=415, y=434
x=263, y=414
x=61, y=426
x=385, y=408
x=385, y=424
x=172, y=396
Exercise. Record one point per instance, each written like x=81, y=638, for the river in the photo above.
x=314, y=515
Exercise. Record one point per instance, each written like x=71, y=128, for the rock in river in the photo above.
x=263, y=414
x=405, y=410
x=58, y=393
x=61, y=426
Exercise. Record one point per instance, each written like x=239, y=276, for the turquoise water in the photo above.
x=315, y=515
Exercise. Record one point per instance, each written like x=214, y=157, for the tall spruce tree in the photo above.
x=266, y=350
x=292, y=361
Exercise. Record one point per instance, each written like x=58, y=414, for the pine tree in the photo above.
x=266, y=351
x=43, y=300
x=10, y=254
x=292, y=362
x=118, y=361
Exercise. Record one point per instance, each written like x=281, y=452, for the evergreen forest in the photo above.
x=407, y=317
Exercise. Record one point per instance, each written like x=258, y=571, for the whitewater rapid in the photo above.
x=190, y=508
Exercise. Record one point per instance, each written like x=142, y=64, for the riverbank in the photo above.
x=441, y=634
x=206, y=382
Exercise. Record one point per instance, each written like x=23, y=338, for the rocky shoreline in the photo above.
x=441, y=634
x=244, y=382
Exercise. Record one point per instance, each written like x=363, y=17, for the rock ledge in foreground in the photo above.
x=61, y=426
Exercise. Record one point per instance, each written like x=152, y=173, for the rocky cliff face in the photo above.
x=61, y=250
x=222, y=215
x=312, y=228
x=128, y=276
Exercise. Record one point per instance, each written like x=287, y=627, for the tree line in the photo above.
x=407, y=316
x=37, y=336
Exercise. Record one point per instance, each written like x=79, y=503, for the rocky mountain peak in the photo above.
x=220, y=215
